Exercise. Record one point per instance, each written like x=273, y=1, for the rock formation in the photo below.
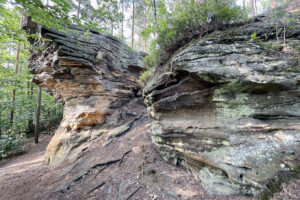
x=93, y=75
x=227, y=107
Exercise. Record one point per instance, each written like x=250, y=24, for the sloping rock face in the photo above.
x=93, y=75
x=227, y=107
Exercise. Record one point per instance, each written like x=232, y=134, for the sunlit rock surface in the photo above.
x=96, y=78
x=227, y=107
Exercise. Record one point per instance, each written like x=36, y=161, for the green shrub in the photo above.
x=271, y=45
x=151, y=59
x=12, y=144
x=145, y=76
x=186, y=22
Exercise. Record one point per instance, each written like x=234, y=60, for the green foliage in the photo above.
x=25, y=103
x=9, y=24
x=12, y=140
x=280, y=21
x=53, y=15
x=105, y=16
x=186, y=21
x=59, y=14
x=151, y=59
x=12, y=144
x=253, y=37
x=145, y=76
x=298, y=48
x=271, y=45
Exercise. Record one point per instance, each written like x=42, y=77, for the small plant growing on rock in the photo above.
x=188, y=20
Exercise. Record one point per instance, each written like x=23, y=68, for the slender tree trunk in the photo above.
x=0, y=124
x=47, y=4
x=140, y=41
x=30, y=125
x=277, y=32
x=37, y=121
x=274, y=3
x=122, y=25
x=256, y=11
x=155, y=14
x=132, y=34
x=244, y=4
x=145, y=26
x=14, y=90
x=181, y=4
x=284, y=29
x=252, y=8
x=78, y=9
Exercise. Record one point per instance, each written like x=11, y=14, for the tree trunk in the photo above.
x=37, y=121
x=30, y=126
x=252, y=8
x=274, y=3
x=14, y=90
x=244, y=4
x=0, y=124
x=140, y=41
x=155, y=14
x=122, y=25
x=256, y=11
x=277, y=32
x=145, y=26
x=284, y=34
x=132, y=34
x=78, y=9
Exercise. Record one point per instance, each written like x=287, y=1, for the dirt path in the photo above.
x=31, y=159
x=22, y=169
x=143, y=169
x=25, y=177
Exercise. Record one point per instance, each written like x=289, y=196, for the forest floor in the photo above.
x=141, y=174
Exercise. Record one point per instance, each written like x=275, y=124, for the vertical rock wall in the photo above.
x=227, y=107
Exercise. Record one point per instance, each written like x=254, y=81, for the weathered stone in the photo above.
x=95, y=76
x=228, y=108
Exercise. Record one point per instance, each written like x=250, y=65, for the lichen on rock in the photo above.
x=228, y=108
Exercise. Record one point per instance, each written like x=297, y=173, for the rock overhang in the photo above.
x=228, y=109
x=95, y=76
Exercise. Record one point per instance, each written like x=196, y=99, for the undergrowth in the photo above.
x=186, y=22
x=12, y=144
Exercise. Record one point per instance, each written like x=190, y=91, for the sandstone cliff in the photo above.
x=93, y=75
x=227, y=107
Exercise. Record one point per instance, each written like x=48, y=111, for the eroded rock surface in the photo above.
x=94, y=76
x=227, y=107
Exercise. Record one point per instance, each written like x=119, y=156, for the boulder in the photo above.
x=227, y=107
x=95, y=76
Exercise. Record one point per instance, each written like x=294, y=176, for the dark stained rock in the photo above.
x=227, y=107
x=96, y=78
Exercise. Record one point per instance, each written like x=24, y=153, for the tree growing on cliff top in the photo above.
x=184, y=21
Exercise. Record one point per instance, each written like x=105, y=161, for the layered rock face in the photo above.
x=227, y=107
x=93, y=75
